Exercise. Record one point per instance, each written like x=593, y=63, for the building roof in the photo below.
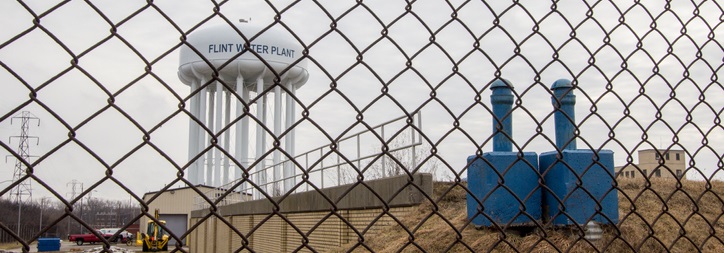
x=667, y=150
x=187, y=187
x=179, y=188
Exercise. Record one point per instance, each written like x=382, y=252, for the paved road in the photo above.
x=66, y=246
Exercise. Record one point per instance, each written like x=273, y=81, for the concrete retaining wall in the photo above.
x=324, y=229
x=274, y=234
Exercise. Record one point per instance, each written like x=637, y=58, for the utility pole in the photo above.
x=80, y=226
x=88, y=206
x=118, y=215
x=22, y=158
x=42, y=206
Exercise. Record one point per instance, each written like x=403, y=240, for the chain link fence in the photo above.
x=102, y=77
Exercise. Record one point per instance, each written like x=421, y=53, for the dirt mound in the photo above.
x=658, y=215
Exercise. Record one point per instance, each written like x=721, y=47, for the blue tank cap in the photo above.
x=561, y=83
x=501, y=83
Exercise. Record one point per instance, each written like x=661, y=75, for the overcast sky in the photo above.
x=616, y=65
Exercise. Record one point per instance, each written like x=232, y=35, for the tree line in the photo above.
x=51, y=217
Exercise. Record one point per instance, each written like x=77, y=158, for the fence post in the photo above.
x=359, y=155
x=384, y=170
x=321, y=166
x=413, y=158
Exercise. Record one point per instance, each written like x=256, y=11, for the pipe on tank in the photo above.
x=564, y=102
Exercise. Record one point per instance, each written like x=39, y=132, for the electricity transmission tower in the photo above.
x=73, y=184
x=24, y=188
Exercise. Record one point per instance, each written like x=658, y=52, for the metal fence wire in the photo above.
x=103, y=78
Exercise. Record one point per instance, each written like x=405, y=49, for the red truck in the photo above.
x=92, y=238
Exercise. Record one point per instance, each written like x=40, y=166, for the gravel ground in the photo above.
x=86, y=248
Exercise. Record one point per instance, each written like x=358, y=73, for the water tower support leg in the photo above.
x=219, y=119
x=209, y=163
x=227, y=135
x=261, y=176
x=289, y=139
x=277, y=132
x=201, y=141
x=244, y=143
x=192, y=170
x=240, y=127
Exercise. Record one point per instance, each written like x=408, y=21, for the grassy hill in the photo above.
x=656, y=216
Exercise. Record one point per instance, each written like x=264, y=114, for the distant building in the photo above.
x=175, y=205
x=655, y=163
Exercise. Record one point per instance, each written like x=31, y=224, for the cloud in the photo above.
x=529, y=44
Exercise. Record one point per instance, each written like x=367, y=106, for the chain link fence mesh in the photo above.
x=101, y=76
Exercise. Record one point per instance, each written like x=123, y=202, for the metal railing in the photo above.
x=337, y=177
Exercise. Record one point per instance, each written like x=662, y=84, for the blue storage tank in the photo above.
x=503, y=181
x=580, y=182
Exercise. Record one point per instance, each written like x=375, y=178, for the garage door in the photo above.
x=177, y=224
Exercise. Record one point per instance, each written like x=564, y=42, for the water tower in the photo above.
x=246, y=70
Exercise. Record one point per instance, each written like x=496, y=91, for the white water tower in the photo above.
x=247, y=71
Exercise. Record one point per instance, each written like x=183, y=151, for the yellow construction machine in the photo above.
x=155, y=238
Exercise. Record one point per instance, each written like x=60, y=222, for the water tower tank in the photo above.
x=218, y=64
x=221, y=48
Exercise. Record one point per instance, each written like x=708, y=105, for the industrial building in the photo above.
x=175, y=206
x=655, y=163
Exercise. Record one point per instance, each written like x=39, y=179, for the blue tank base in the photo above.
x=571, y=201
x=508, y=187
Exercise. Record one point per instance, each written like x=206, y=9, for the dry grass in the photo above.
x=662, y=216
x=9, y=245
